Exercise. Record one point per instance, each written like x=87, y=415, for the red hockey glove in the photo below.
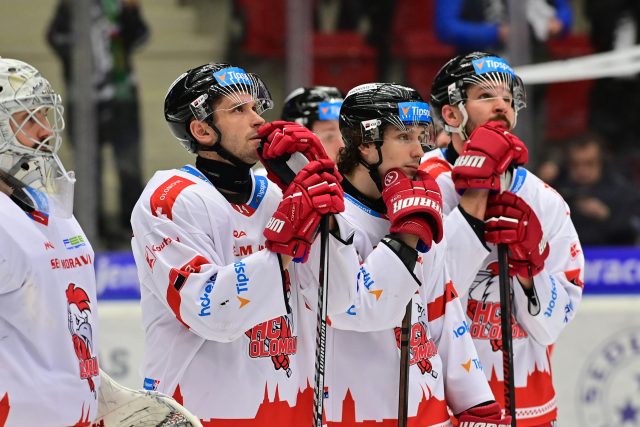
x=487, y=155
x=487, y=415
x=510, y=220
x=413, y=207
x=314, y=192
x=280, y=140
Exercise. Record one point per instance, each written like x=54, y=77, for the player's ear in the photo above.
x=368, y=152
x=202, y=132
x=451, y=115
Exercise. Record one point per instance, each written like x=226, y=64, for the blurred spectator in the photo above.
x=471, y=25
x=604, y=206
x=117, y=29
x=378, y=17
x=615, y=24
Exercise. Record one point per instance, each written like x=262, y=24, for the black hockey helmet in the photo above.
x=305, y=105
x=192, y=94
x=451, y=82
x=369, y=108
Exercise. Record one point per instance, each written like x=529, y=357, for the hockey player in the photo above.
x=477, y=96
x=392, y=221
x=49, y=372
x=318, y=109
x=223, y=325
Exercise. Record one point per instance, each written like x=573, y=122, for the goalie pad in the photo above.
x=121, y=406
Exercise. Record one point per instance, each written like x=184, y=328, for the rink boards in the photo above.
x=596, y=360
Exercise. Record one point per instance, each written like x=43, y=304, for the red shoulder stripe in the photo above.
x=434, y=166
x=164, y=197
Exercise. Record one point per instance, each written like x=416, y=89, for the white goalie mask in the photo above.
x=31, y=124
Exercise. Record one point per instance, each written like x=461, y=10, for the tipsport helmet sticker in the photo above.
x=232, y=76
x=491, y=64
x=414, y=112
x=329, y=110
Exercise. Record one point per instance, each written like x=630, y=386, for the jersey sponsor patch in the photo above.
x=165, y=195
x=74, y=242
x=150, y=384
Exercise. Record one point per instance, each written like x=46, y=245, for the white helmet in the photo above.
x=34, y=171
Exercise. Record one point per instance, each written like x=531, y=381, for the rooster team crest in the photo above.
x=80, y=316
x=421, y=346
x=275, y=338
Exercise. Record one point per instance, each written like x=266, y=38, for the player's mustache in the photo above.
x=501, y=117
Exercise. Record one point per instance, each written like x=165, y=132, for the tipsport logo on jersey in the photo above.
x=232, y=76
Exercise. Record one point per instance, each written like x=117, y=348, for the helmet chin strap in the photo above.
x=373, y=168
x=223, y=152
x=460, y=129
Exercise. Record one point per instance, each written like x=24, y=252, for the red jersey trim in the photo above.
x=163, y=198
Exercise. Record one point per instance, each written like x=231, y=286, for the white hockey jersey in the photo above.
x=363, y=355
x=218, y=335
x=49, y=372
x=538, y=322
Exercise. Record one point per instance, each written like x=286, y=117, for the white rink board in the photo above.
x=121, y=341
x=596, y=362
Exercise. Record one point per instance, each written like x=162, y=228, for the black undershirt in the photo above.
x=377, y=205
x=233, y=182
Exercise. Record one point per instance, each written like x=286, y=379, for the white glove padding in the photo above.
x=121, y=406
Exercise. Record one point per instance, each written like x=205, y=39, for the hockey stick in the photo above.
x=403, y=396
x=507, y=343
x=122, y=406
x=321, y=333
x=505, y=319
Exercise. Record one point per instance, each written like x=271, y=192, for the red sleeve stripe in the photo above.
x=437, y=307
x=162, y=200
x=177, y=279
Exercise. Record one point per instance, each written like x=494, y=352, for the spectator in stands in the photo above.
x=615, y=24
x=471, y=25
x=118, y=28
x=605, y=207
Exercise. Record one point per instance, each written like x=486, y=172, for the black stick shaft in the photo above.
x=507, y=342
x=403, y=396
x=321, y=337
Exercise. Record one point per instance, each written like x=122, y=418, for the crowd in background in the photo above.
x=593, y=161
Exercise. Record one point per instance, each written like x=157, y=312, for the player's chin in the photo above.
x=410, y=170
